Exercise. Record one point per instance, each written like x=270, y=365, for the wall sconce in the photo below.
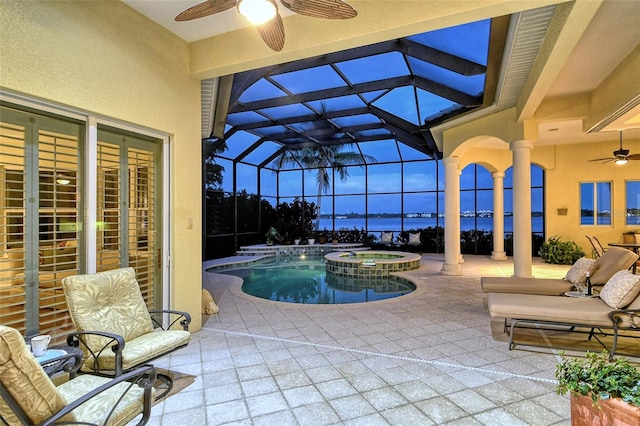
x=562, y=211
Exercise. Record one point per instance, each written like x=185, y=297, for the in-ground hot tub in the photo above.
x=374, y=264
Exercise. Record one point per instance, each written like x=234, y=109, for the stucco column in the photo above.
x=522, y=259
x=451, y=217
x=498, y=252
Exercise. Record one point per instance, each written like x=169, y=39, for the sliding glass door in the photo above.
x=40, y=218
x=44, y=214
x=128, y=219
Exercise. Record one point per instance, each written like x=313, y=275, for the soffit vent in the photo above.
x=526, y=34
x=208, y=90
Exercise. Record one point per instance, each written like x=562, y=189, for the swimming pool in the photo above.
x=306, y=281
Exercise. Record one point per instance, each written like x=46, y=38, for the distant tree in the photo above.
x=213, y=172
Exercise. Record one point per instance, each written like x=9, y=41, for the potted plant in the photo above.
x=321, y=236
x=600, y=389
x=272, y=236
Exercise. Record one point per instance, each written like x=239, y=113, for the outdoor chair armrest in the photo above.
x=66, y=363
x=183, y=317
x=116, y=343
x=625, y=318
x=144, y=377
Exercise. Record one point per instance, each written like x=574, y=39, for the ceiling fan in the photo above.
x=264, y=14
x=620, y=156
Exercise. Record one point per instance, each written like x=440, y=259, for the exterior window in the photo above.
x=595, y=203
x=632, y=191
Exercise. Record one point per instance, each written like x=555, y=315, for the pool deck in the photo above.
x=431, y=357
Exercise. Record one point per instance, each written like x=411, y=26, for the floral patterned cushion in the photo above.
x=25, y=380
x=578, y=272
x=107, y=301
x=142, y=349
x=111, y=301
x=95, y=410
x=621, y=289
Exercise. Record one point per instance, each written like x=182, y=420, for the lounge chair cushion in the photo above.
x=578, y=272
x=621, y=289
x=566, y=310
x=545, y=286
x=21, y=374
x=613, y=260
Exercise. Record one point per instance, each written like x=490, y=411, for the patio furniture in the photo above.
x=603, y=268
x=617, y=309
x=633, y=246
x=411, y=241
x=601, y=249
x=597, y=248
x=30, y=397
x=114, y=329
x=385, y=241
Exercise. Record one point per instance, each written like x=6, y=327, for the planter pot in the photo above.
x=311, y=241
x=584, y=413
x=322, y=240
x=296, y=241
x=334, y=241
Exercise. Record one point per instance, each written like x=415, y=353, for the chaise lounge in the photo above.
x=616, y=309
x=601, y=270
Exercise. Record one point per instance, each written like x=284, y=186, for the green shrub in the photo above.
x=560, y=252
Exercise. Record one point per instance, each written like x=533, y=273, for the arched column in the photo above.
x=522, y=257
x=452, y=256
x=498, y=252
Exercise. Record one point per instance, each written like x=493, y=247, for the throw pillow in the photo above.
x=209, y=307
x=621, y=289
x=578, y=272
x=414, y=238
x=386, y=237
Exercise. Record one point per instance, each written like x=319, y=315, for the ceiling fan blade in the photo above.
x=633, y=157
x=206, y=8
x=327, y=9
x=602, y=159
x=272, y=33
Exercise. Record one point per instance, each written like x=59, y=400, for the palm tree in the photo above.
x=324, y=159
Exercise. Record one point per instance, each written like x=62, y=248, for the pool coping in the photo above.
x=235, y=287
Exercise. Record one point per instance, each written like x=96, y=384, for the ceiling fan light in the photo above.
x=621, y=161
x=257, y=11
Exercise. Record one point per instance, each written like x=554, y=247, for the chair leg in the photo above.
x=163, y=385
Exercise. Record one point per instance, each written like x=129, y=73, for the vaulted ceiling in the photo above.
x=407, y=89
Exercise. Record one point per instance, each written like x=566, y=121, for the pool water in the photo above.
x=306, y=281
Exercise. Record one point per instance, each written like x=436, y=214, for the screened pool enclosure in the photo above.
x=348, y=136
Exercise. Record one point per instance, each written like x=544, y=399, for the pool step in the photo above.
x=249, y=252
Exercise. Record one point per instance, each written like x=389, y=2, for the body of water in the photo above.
x=395, y=223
